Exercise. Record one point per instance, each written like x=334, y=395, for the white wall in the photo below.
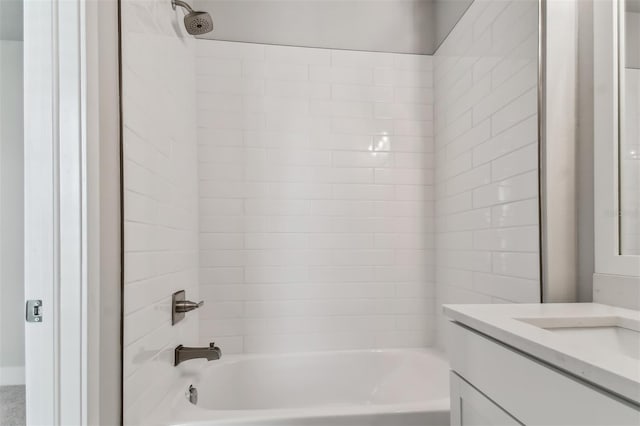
x=11, y=215
x=584, y=144
x=160, y=198
x=316, y=198
x=486, y=156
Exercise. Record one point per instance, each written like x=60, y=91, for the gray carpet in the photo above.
x=12, y=406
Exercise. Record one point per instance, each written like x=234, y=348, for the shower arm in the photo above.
x=182, y=4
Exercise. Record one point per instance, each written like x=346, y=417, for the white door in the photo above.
x=55, y=357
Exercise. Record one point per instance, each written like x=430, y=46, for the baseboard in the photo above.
x=11, y=376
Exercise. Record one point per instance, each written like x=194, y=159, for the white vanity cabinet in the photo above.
x=471, y=407
x=494, y=384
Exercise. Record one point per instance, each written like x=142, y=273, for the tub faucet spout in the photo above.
x=212, y=352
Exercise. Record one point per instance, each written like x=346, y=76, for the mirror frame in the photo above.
x=608, y=259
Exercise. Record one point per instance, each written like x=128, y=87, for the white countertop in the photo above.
x=590, y=361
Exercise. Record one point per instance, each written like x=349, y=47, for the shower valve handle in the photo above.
x=182, y=306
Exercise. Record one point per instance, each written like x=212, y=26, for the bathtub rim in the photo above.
x=176, y=410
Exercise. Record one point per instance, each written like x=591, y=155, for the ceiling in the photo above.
x=400, y=26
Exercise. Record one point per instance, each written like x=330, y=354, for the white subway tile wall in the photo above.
x=316, y=198
x=160, y=199
x=299, y=191
x=486, y=180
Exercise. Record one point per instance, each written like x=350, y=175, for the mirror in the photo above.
x=629, y=141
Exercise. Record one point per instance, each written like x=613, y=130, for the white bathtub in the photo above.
x=382, y=387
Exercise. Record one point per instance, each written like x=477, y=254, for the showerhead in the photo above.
x=196, y=22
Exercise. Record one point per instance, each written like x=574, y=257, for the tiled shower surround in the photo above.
x=160, y=201
x=316, y=198
x=487, y=156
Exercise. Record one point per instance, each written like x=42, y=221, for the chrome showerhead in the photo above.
x=196, y=22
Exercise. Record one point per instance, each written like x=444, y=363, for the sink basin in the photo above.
x=610, y=334
x=619, y=339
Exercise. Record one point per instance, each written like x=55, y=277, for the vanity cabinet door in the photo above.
x=469, y=407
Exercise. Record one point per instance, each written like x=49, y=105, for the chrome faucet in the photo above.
x=211, y=353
